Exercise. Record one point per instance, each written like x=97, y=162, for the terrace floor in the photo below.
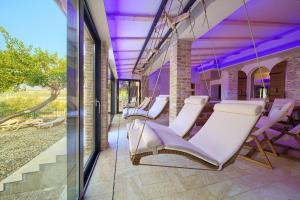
x=242, y=180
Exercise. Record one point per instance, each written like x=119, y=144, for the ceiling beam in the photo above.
x=234, y=38
x=152, y=28
x=258, y=23
x=123, y=59
x=129, y=17
x=135, y=38
x=217, y=48
x=131, y=51
x=126, y=65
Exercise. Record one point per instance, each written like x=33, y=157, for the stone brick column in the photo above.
x=180, y=76
x=104, y=97
x=233, y=83
x=88, y=99
x=293, y=78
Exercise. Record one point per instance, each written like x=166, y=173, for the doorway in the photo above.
x=129, y=92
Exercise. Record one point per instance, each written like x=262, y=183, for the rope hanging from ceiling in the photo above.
x=152, y=97
x=160, y=69
x=254, y=44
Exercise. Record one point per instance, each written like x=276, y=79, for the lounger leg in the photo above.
x=266, y=162
x=274, y=152
x=135, y=159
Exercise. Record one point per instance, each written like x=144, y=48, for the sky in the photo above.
x=40, y=23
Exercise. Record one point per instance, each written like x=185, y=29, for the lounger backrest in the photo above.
x=275, y=116
x=279, y=103
x=254, y=102
x=144, y=103
x=206, y=98
x=158, y=106
x=187, y=116
x=295, y=130
x=226, y=130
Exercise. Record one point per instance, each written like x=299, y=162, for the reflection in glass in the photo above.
x=88, y=95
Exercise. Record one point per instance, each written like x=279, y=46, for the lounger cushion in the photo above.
x=159, y=104
x=275, y=114
x=254, y=102
x=134, y=135
x=226, y=130
x=244, y=109
x=149, y=136
x=195, y=101
x=188, y=115
x=295, y=130
x=174, y=142
x=279, y=103
x=157, y=107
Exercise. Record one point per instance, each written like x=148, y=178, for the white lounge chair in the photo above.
x=185, y=119
x=52, y=123
x=278, y=104
x=154, y=112
x=10, y=124
x=130, y=108
x=216, y=145
x=29, y=123
x=291, y=136
x=259, y=135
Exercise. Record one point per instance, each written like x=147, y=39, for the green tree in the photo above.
x=21, y=64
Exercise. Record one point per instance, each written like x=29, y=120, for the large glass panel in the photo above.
x=123, y=94
x=33, y=100
x=88, y=96
x=73, y=58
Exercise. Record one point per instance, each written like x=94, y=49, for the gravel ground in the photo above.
x=19, y=147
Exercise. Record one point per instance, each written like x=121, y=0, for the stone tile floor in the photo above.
x=242, y=180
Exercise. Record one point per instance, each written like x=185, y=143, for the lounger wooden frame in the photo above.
x=259, y=147
x=136, y=158
x=296, y=137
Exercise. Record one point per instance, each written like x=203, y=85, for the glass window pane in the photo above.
x=123, y=94
x=33, y=99
x=89, y=95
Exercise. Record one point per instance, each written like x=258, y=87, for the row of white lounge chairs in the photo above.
x=16, y=124
x=232, y=125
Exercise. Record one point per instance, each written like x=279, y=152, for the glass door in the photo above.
x=129, y=91
x=123, y=94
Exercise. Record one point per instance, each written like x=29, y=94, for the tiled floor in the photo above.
x=242, y=180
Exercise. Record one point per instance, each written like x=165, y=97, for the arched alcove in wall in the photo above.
x=277, y=81
x=260, y=83
x=242, y=85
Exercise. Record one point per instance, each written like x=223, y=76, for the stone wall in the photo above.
x=180, y=76
x=88, y=99
x=230, y=90
x=104, y=97
x=293, y=77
